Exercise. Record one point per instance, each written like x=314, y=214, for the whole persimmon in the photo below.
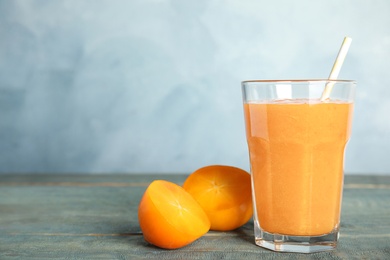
x=224, y=192
x=169, y=217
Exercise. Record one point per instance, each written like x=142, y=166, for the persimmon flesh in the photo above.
x=224, y=192
x=169, y=217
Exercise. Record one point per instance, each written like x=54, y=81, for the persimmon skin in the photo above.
x=224, y=192
x=159, y=228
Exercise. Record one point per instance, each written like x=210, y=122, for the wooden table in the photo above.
x=95, y=217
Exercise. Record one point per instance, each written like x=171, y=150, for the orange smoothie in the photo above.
x=296, y=154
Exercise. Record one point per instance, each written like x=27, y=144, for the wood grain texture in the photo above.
x=95, y=217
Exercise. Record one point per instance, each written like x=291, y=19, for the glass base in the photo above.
x=297, y=244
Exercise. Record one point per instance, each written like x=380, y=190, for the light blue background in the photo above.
x=154, y=85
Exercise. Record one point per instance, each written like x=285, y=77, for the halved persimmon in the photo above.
x=169, y=217
x=224, y=192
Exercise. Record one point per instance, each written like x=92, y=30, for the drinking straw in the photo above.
x=336, y=67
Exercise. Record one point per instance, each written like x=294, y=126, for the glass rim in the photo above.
x=298, y=80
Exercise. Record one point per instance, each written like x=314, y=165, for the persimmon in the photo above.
x=169, y=217
x=224, y=192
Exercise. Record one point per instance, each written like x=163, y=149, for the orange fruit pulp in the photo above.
x=169, y=217
x=224, y=192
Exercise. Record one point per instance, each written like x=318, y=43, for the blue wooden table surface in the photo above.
x=95, y=217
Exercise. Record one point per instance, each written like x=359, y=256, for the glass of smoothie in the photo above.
x=296, y=142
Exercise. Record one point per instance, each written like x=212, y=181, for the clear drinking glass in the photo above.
x=296, y=147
